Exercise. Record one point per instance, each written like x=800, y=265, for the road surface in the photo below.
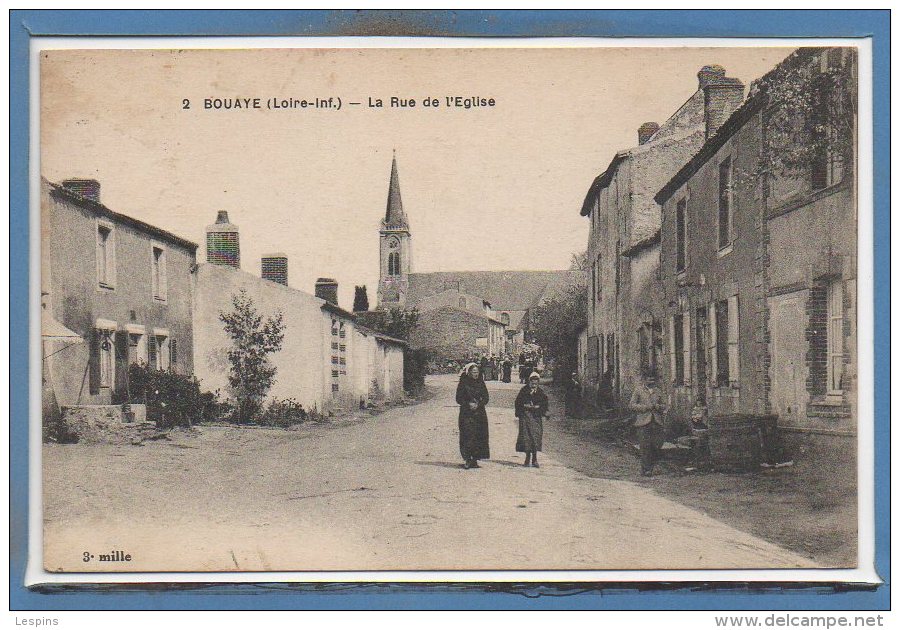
x=381, y=493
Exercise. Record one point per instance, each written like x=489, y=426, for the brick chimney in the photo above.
x=646, y=131
x=275, y=268
x=327, y=289
x=708, y=74
x=223, y=246
x=721, y=96
x=87, y=188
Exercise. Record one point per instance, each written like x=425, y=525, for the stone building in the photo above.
x=466, y=312
x=625, y=319
x=121, y=285
x=328, y=361
x=811, y=232
x=454, y=324
x=759, y=273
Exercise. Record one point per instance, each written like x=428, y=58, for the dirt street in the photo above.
x=388, y=492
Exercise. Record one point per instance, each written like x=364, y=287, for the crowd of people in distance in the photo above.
x=499, y=367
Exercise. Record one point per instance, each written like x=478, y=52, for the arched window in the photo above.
x=394, y=264
x=462, y=302
x=505, y=319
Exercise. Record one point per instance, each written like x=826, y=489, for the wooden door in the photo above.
x=787, y=347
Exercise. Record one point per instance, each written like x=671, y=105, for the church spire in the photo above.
x=394, y=217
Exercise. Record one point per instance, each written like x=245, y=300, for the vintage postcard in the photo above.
x=522, y=308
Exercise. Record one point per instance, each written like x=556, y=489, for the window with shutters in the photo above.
x=618, y=266
x=685, y=356
x=137, y=353
x=158, y=272
x=726, y=220
x=173, y=352
x=721, y=349
x=677, y=332
x=159, y=352
x=733, y=341
x=835, y=337
x=152, y=355
x=610, y=353
x=599, y=289
x=106, y=255
x=107, y=358
x=644, y=348
x=827, y=167
x=680, y=235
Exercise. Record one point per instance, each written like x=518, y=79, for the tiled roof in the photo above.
x=505, y=290
x=102, y=210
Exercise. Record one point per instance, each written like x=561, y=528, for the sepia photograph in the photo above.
x=537, y=308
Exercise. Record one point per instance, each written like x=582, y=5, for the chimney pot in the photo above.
x=710, y=73
x=87, y=188
x=327, y=289
x=646, y=131
x=223, y=246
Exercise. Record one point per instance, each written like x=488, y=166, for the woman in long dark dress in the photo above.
x=531, y=407
x=472, y=397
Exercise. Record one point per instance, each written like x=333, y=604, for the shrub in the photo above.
x=254, y=338
x=172, y=399
x=283, y=413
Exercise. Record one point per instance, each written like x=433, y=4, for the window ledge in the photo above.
x=727, y=391
x=831, y=399
x=724, y=251
x=801, y=199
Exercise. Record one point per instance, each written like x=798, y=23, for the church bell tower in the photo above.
x=395, y=248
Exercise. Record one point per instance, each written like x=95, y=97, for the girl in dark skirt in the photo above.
x=531, y=407
x=472, y=397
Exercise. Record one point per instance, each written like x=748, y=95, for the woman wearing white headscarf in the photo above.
x=531, y=406
x=472, y=397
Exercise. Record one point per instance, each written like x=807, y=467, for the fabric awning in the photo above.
x=53, y=330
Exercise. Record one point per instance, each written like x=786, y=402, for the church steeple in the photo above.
x=395, y=247
x=394, y=217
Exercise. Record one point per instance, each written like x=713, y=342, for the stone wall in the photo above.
x=450, y=333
